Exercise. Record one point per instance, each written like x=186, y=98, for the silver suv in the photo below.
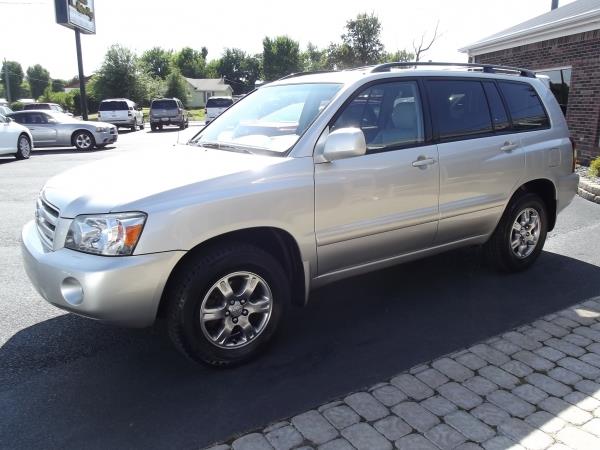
x=307, y=180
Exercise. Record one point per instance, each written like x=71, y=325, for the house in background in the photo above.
x=199, y=90
x=73, y=85
x=563, y=44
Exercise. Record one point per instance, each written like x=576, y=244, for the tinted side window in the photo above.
x=389, y=115
x=499, y=117
x=459, y=108
x=525, y=106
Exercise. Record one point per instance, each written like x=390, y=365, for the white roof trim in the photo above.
x=588, y=21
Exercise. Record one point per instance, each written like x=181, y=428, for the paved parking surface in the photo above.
x=535, y=387
x=68, y=382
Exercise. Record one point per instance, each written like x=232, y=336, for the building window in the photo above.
x=560, y=83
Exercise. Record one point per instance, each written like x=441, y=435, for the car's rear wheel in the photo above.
x=134, y=127
x=143, y=124
x=23, y=147
x=83, y=140
x=519, y=237
x=223, y=306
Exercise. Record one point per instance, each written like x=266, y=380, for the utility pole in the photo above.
x=82, y=96
x=554, y=4
x=7, y=82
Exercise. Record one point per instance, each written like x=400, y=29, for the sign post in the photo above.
x=79, y=15
x=82, y=96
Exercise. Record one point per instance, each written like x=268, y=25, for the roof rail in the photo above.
x=486, y=68
x=299, y=74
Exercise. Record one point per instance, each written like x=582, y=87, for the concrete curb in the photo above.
x=589, y=190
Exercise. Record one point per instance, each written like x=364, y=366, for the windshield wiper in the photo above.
x=223, y=146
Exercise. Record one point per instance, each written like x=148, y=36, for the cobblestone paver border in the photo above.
x=536, y=387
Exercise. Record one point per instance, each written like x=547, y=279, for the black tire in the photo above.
x=101, y=146
x=142, y=125
x=134, y=127
x=90, y=143
x=192, y=283
x=23, y=147
x=498, y=249
x=153, y=127
x=182, y=126
x=160, y=127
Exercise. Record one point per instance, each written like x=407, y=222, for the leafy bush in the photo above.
x=594, y=169
x=17, y=106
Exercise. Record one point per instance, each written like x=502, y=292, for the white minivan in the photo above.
x=215, y=106
x=121, y=112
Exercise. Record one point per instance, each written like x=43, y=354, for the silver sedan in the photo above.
x=54, y=129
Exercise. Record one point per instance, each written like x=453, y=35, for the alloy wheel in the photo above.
x=525, y=233
x=83, y=141
x=236, y=310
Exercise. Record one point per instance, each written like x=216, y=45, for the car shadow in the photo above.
x=70, y=380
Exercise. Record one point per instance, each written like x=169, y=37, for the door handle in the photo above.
x=509, y=146
x=423, y=162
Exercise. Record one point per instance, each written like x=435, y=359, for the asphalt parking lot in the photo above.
x=69, y=382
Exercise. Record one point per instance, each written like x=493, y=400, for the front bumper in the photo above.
x=125, y=290
x=106, y=137
x=567, y=188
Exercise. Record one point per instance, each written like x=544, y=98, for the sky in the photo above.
x=30, y=34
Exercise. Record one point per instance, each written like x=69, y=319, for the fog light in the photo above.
x=71, y=291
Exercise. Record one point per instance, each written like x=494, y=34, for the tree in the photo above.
x=190, y=62
x=422, y=47
x=398, y=56
x=176, y=86
x=313, y=58
x=157, y=61
x=39, y=79
x=238, y=69
x=120, y=75
x=58, y=85
x=15, y=78
x=362, y=37
x=339, y=56
x=281, y=56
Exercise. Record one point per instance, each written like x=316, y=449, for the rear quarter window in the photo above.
x=525, y=107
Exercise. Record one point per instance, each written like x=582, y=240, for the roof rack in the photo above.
x=299, y=74
x=486, y=68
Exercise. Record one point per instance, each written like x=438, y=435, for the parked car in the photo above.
x=215, y=106
x=168, y=111
x=54, y=129
x=15, y=139
x=121, y=112
x=43, y=106
x=308, y=180
x=5, y=110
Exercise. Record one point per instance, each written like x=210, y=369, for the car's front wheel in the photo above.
x=224, y=306
x=519, y=237
x=83, y=140
x=23, y=147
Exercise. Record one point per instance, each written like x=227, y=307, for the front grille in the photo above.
x=46, y=217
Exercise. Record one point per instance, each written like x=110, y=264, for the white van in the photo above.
x=215, y=106
x=121, y=112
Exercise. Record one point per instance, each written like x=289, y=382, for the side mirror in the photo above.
x=345, y=143
x=9, y=120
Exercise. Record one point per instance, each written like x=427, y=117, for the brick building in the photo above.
x=563, y=44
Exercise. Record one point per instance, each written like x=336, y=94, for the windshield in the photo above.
x=164, y=104
x=271, y=119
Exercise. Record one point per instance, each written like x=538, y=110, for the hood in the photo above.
x=122, y=183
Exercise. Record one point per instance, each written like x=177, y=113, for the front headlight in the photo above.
x=102, y=129
x=106, y=234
